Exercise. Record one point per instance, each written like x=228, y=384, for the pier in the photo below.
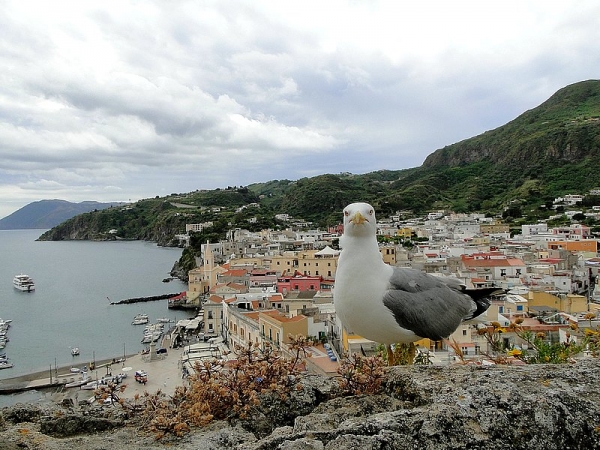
x=145, y=299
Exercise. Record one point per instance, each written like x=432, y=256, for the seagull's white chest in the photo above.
x=362, y=279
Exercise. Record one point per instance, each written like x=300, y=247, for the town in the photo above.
x=254, y=288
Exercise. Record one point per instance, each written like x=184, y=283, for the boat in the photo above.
x=76, y=383
x=23, y=283
x=140, y=319
x=6, y=365
x=75, y=351
x=164, y=320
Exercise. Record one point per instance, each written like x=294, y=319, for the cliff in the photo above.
x=460, y=407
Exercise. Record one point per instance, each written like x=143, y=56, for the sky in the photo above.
x=125, y=100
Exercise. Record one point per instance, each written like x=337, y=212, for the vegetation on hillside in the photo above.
x=515, y=171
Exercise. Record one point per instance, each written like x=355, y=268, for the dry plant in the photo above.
x=226, y=390
x=361, y=374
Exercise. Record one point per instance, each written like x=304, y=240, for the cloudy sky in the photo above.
x=124, y=100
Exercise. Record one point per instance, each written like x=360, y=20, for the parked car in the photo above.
x=141, y=376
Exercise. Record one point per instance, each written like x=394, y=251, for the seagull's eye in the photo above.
x=346, y=213
x=371, y=212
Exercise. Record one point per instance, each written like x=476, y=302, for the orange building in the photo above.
x=584, y=245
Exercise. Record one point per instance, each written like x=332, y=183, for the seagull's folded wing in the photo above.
x=431, y=307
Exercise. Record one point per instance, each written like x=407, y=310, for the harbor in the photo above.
x=69, y=307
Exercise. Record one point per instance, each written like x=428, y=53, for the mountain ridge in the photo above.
x=44, y=214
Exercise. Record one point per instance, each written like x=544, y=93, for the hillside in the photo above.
x=544, y=153
x=45, y=214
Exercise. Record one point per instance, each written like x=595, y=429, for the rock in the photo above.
x=22, y=413
x=532, y=407
x=73, y=424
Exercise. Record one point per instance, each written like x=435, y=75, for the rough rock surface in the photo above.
x=460, y=407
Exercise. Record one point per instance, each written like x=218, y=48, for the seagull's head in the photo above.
x=359, y=219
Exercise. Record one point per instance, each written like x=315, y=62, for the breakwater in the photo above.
x=152, y=298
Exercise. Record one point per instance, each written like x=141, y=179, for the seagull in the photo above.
x=392, y=305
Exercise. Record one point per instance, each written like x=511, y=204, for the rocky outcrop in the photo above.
x=458, y=407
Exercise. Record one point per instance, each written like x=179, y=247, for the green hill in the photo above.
x=544, y=153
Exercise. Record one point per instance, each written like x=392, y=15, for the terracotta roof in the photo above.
x=235, y=273
x=502, y=262
x=215, y=299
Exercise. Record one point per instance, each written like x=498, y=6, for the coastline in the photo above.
x=61, y=372
x=164, y=374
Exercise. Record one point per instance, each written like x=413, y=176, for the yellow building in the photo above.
x=405, y=233
x=275, y=327
x=569, y=303
x=388, y=252
x=202, y=279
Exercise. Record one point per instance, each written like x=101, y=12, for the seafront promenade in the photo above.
x=164, y=373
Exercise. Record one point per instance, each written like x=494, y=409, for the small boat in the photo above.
x=140, y=319
x=6, y=365
x=164, y=320
x=74, y=370
x=76, y=383
x=23, y=283
x=75, y=351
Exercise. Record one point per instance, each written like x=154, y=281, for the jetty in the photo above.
x=152, y=298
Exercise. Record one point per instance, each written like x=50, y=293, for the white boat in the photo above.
x=23, y=283
x=140, y=319
x=6, y=365
x=76, y=383
x=164, y=320
x=75, y=351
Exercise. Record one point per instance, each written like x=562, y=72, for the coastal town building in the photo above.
x=258, y=288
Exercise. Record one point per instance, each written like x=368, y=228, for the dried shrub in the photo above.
x=226, y=390
x=361, y=374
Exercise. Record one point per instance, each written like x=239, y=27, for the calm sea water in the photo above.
x=70, y=307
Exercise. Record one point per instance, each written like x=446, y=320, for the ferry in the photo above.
x=23, y=283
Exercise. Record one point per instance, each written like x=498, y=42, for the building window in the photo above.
x=502, y=272
x=519, y=307
x=464, y=332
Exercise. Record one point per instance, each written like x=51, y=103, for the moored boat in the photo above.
x=75, y=351
x=23, y=283
x=140, y=319
x=4, y=364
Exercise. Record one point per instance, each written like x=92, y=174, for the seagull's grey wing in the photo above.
x=429, y=306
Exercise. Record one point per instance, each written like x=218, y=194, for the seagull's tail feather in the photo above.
x=481, y=298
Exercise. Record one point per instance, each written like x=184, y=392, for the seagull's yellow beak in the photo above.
x=358, y=218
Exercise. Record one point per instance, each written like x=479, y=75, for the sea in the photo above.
x=75, y=283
